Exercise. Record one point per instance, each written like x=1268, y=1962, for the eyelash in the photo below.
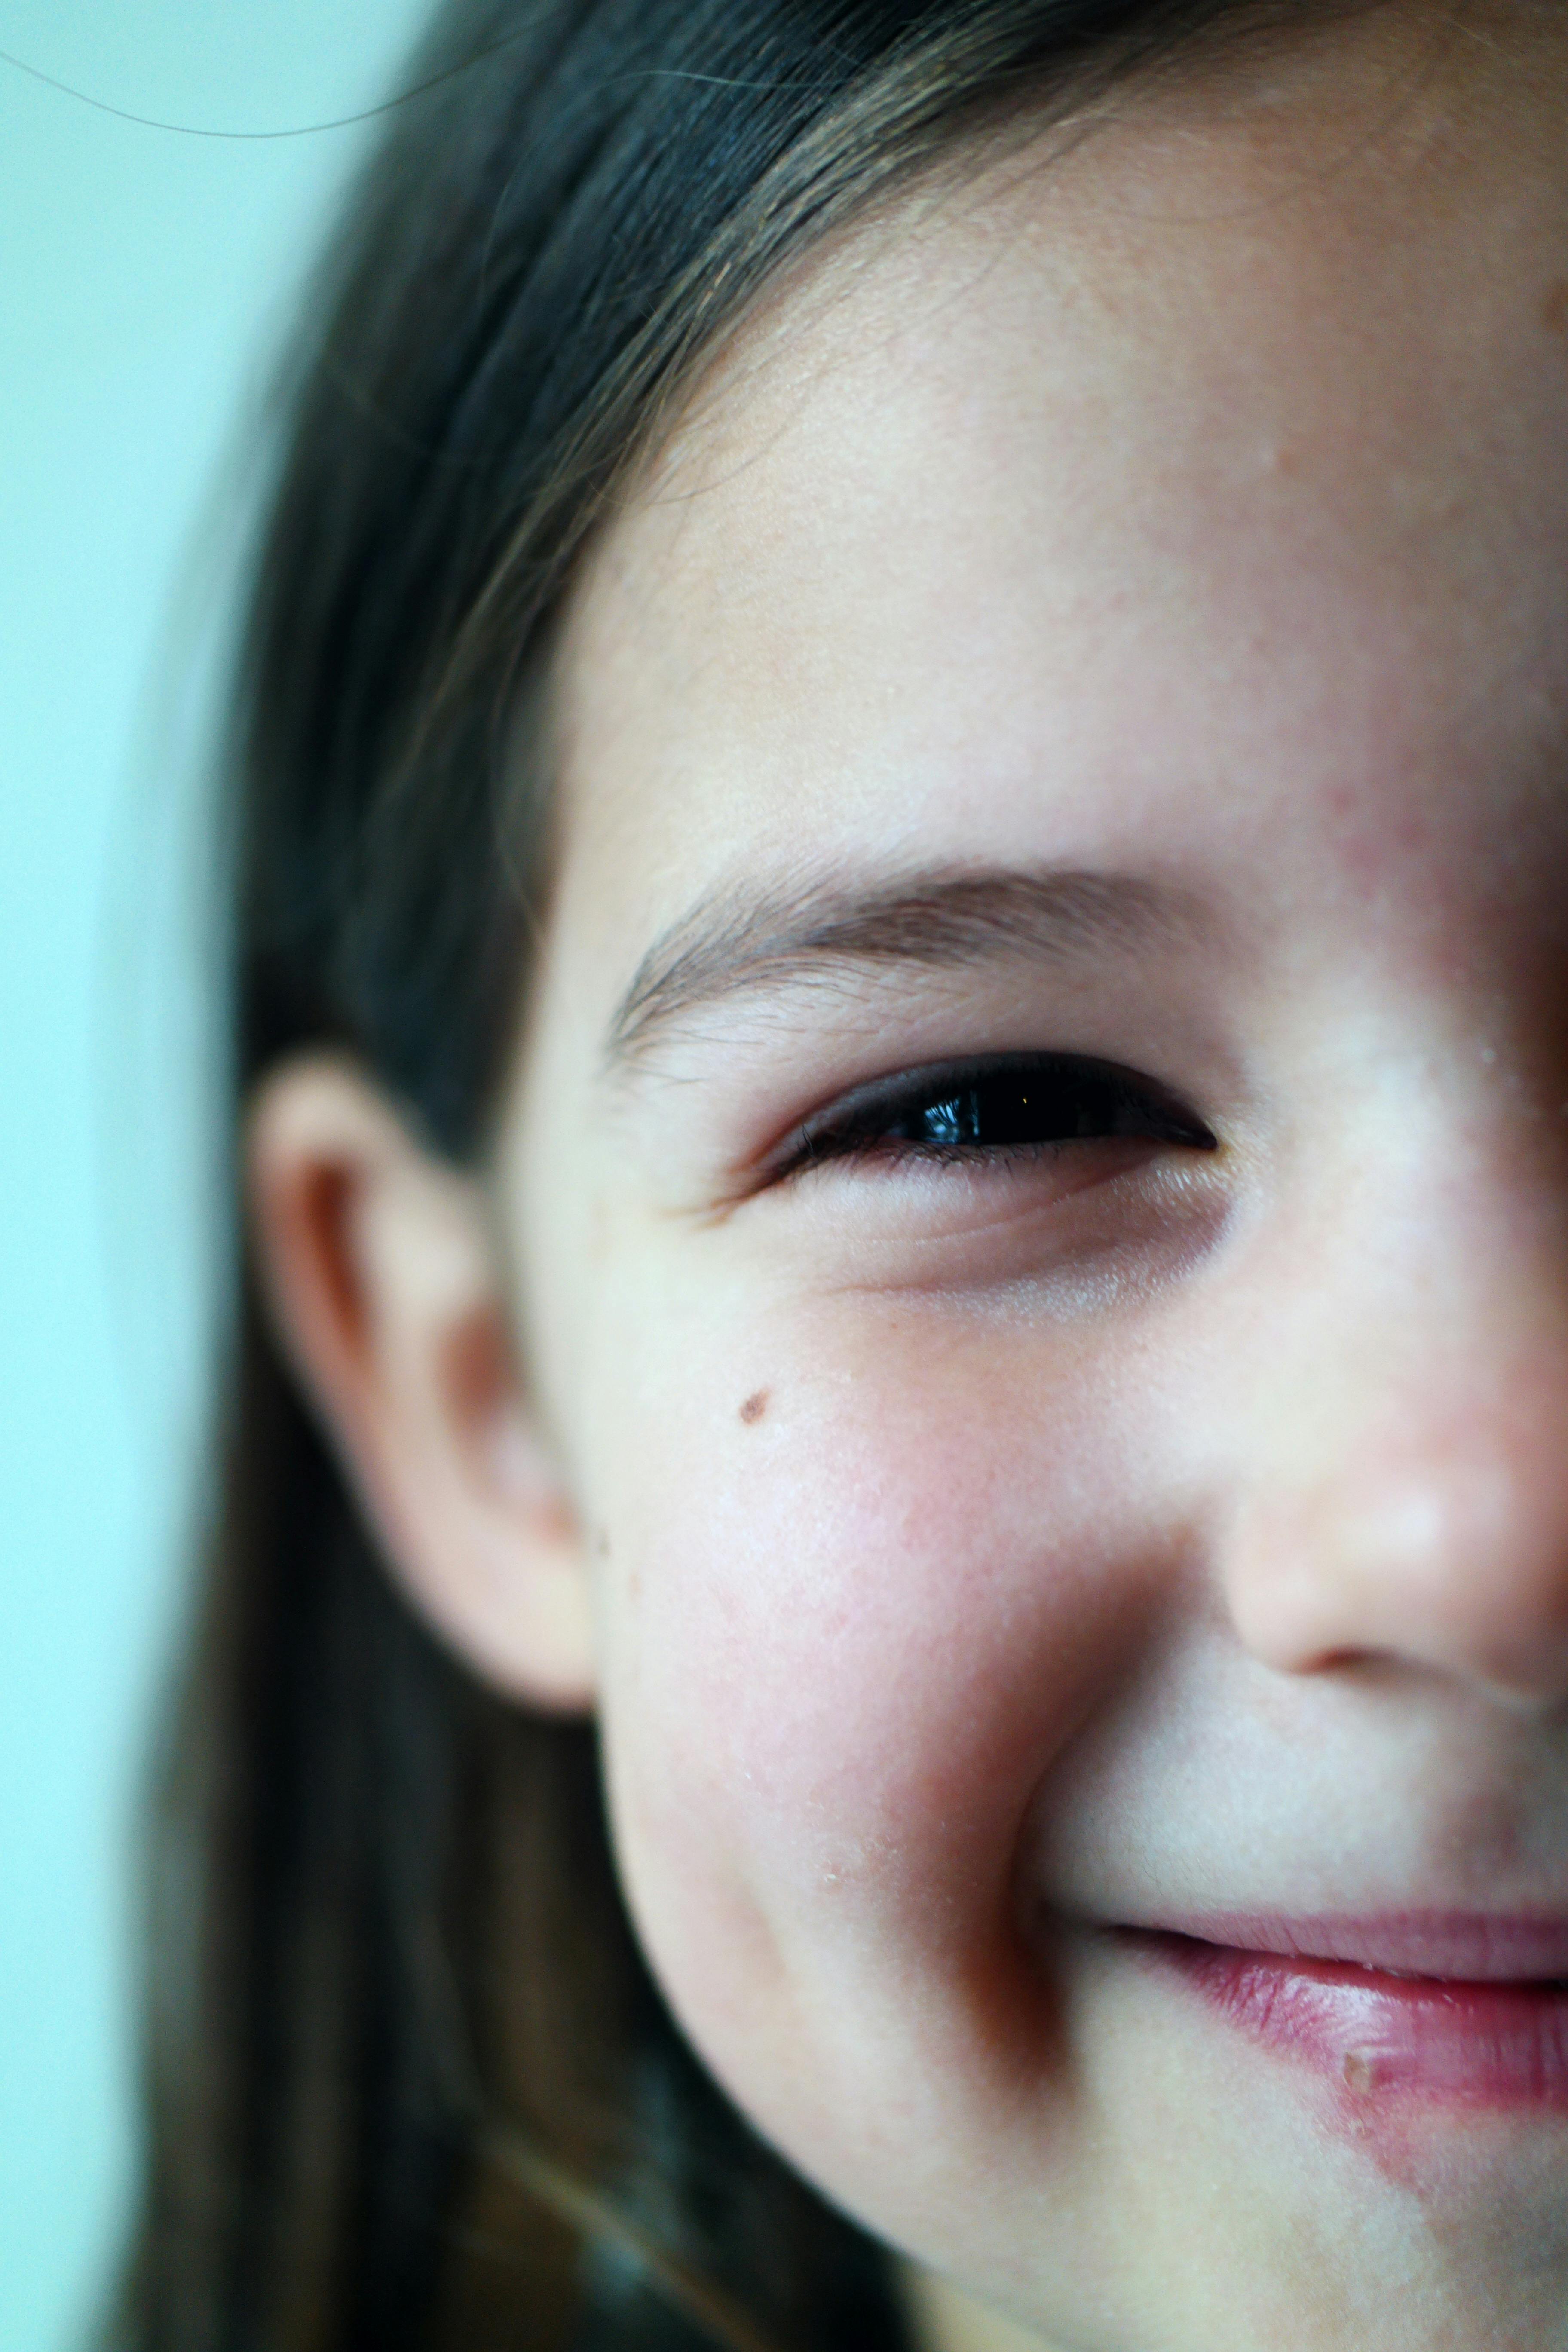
x=1065, y=1098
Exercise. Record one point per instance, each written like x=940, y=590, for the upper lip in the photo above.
x=1470, y=1946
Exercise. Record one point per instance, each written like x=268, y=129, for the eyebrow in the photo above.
x=945, y=917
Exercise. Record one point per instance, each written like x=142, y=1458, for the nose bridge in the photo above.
x=1406, y=1494
x=1456, y=1307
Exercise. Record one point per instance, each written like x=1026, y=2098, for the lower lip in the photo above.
x=1494, y=2045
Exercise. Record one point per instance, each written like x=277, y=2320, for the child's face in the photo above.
x=1119, y=613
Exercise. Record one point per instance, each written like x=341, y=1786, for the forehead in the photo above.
x=1064, y=488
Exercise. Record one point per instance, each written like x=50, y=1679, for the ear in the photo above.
x=379, y=1266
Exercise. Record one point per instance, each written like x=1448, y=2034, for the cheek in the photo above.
x=844, y=1641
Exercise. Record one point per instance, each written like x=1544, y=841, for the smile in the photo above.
x=1450, y=2010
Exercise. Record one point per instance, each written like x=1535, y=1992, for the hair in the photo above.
x=409, y=2081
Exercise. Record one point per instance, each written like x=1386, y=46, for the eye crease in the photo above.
x=1008, y=1103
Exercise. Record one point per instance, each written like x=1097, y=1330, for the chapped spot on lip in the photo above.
x=756, y=1405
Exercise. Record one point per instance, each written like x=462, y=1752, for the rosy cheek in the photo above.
x=849, y=1632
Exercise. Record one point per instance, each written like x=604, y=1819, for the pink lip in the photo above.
x=1479, y=1947
x=1458, y=2009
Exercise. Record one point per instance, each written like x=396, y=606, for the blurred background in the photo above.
x=146, y=277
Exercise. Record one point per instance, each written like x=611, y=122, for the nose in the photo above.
x=1403, y=1496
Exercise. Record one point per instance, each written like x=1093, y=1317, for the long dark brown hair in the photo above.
x=409, y=2082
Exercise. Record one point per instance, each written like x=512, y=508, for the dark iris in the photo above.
x=1022, y=1109
x=1062, y=1099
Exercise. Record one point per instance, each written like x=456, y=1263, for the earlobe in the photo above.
x=379, y=1268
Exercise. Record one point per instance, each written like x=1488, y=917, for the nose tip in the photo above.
x=1456, y=1564
x=1399, y=1446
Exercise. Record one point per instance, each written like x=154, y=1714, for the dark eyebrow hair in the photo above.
x=736, y=939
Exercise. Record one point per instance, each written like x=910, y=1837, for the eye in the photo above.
x=1003, y=1105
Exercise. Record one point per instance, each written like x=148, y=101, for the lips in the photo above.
x=1453, y=2009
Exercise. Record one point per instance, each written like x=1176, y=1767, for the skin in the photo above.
x=967, y=1555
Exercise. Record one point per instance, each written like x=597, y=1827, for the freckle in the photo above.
x=1554, y=309
x=756, y=1405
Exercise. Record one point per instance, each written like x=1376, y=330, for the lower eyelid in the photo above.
x=1110, y=1216
x=1072, y=1164
x=903, y=1147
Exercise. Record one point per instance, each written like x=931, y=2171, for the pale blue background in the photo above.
x=143, y=279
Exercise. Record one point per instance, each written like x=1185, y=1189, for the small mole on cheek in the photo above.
x=756, y=1405
x=1554, y=309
